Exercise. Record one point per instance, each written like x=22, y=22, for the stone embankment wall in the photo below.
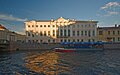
x=35, y=46
x=112, y=46
x=31, y=46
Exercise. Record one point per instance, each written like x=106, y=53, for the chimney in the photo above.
x=118, y=25
x=115, y=25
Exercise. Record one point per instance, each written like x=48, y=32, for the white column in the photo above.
x=71, y=31
x=63, y=31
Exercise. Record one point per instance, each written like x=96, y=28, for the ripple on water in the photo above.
x=55, y=63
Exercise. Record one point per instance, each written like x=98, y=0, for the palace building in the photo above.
x=109, y=34
x=60, y=30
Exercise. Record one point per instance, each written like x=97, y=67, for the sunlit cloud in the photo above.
x=110, y=9
x=10, y=18
x=111, y=5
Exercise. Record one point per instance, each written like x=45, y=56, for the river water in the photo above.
x=55, y=63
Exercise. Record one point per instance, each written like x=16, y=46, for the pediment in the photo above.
x=61, y=19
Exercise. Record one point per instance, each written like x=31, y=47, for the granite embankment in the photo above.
x=31, y=46
x=36, y=46
x=112, y=46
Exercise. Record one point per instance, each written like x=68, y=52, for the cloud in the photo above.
x=110, y=9
x=109, y=13
x=111, y=5
x=10, y=18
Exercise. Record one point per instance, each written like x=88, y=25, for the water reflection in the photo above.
x=53, y=63
x=47, y=63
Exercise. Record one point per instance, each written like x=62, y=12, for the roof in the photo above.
x=88, y=21
x=2, y=27
x=109, y=27
x=61, y=18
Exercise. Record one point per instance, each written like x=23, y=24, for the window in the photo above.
x=32, y=35
x=81, y=33
x=100, y=32
x=37, y=41
x=88, y=40
x=73, y=33
x=93, y=33
x=68, y=32
x=68, y=40
x=118, y=32
x=44, y=33
x=89, y=33
x=28, y=34
x=49, y=40
x=41, y=41
x=48, y=33
x=44, y=25
x=29, y=41
x=53, y=32
x=28, y=25
x=53, y=40
x=65, y=40
x=36, y=25
x=56, y=25
x=108, y=32
x=78, y=33
x=64, y=32
x=41, y=33
x=113, y=39
x=40, y=25
x=48, y=25
x=78, y=40
x=118, y=38
x=113, y=32
x=85, y=33
x=81, y=40
x=73, y=40
x=61, y=40
x=53, y=25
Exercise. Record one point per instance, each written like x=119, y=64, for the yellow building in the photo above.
x=109, y=34
x=5, y=34
x=60, y=30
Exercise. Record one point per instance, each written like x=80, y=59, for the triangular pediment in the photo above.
x=61, y=19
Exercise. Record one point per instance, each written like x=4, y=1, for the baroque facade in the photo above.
x=109, y=34
x=60, y=30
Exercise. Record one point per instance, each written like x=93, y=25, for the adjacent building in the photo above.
x=6, y=34
x=61, y=30
x=109, y=34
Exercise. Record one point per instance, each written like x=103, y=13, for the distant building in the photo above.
x=5, y=34
x=109, y=34
x=60, y=30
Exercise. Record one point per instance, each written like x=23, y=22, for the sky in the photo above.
x=13, y=13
